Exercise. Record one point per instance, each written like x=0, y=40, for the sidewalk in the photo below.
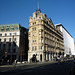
x=23, y=64
x=5, y=68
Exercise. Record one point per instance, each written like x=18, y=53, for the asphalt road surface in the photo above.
x=42, y=69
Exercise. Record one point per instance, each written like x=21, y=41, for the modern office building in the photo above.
x=74, y=46
x=13, y=42
x=45, y=39
x=68, y=40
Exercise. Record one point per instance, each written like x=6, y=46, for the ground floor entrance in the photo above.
x=43, y=56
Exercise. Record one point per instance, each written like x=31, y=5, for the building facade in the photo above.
x=68, y=40
x=45, y=39
x=13, y=42
x=74, y=46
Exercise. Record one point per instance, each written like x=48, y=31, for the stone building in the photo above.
x=45, y=39
x=13, y=42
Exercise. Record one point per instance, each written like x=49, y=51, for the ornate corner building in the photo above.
x=45, y=39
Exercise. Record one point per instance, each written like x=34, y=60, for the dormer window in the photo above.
x=39, y=17
x=35, y=22
x=40, y=22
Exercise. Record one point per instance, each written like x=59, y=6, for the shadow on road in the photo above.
x=41, y=69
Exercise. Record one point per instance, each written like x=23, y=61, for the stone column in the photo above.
x=28, y=57
x=52, y=57
x=49, y=57
x=43, y=57
x=46, y=56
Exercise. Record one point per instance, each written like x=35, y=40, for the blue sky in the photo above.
x=18, y=11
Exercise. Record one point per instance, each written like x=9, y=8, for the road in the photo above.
x=42, y=69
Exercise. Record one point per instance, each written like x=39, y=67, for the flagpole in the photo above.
x=38, y=4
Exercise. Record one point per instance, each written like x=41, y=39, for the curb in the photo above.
x=18, y=65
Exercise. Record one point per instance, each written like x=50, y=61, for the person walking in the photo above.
x=58, y=60
x=15, y=62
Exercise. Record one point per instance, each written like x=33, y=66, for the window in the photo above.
x=0, y=34
x=39, y=17
x=9, y=39
x=12, y=29
x=34, y=41
x=35, y=22
x=12, y=26
x=40, y=22
x=16, y=28
x=34, y=34
x=33, y=29
x=7, y=29
x=40, y=40
x=40, y=47
x=7, y=26
x=5, y=34
x=14, y=39
x=10, y=33
x=2, y=26
x=2, y=29
x=14, y=33
x=35, y=47
x=5, y=40
x=32, y=47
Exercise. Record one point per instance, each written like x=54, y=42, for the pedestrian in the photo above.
x=65, y=59
x=58, y=60
x=15, y=62
x=7, y=62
